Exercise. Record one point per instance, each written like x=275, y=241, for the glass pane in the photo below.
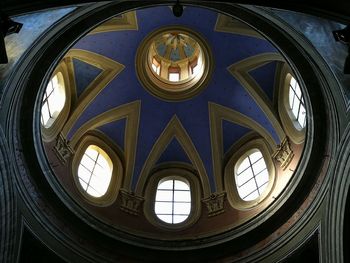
x=104, y=172
x=174, y=76
x=259, y=166
x=262, y=178
x=262, y=188
x=98, y=177
x=83, y=184
x=302, y=116
x=45, y=114
x=182, y=196
x=297, y=91
x=195, y=69
x=247, y=188
x=88, y=162
x=164, y=195
x=293, y=82
x=244, y=165
x=84, y=174
x=92, y=153
x=166, y=185
x=166, y=218
x=291, y=97
x=255, y=156
x=252, y=196
x=182, y=208
x=163, y=208
x=244, y=177
x=180, y=185
x=91, y=191
x=55, y=99
x=49, y=88
x=179, y=219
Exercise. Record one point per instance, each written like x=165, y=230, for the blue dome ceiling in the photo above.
x=193, y=114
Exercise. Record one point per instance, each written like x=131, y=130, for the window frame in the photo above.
x=50, y=133
x=178, y=173
x=117, y=173
x=95, y=161
x=296, y=122
x=230, y=173
x=173, y=179
x=288, y=120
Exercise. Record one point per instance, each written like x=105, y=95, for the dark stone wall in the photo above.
x=319, y=32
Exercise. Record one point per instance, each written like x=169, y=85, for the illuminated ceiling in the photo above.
x=155, y=114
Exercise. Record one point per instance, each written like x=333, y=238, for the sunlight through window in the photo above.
x=296, y=103
x=252, y=176
x=156, y=66
x=174, y=77
x=173, y=201
x=95, y=171
x=53, y=100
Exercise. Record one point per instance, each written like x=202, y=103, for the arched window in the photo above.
x=53, y=100
x=173, y=200
x=251, y=175
x=296, y=104
x=95, y=171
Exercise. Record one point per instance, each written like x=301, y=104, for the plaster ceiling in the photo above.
x=230, y=46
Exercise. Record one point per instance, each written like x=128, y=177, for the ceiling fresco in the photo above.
x=155, y=114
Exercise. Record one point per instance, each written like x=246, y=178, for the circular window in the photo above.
x=174, y=63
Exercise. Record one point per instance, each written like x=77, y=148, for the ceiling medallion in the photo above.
x=174, y=63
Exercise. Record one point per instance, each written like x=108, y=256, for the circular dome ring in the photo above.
x=166, y=89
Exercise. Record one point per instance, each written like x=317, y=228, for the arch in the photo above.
x=173, y=173
x=217, y=113
x=66, y=84
x=114, y=162
x=240, y=71
x=173, y=129
x=286, y=116
x=131, y=112
x=232, y=169
x=110, y=69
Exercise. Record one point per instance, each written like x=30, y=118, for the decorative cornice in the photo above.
x=284, y=153
x=130, y=203
x=62, y=149
x=215, y=203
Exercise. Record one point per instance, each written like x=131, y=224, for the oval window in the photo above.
x=296, y=104
x=173, y=200
x=251, y=175
x=53, y=100
x=95, y=171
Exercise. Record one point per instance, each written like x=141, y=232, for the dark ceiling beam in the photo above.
x=337, y=10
